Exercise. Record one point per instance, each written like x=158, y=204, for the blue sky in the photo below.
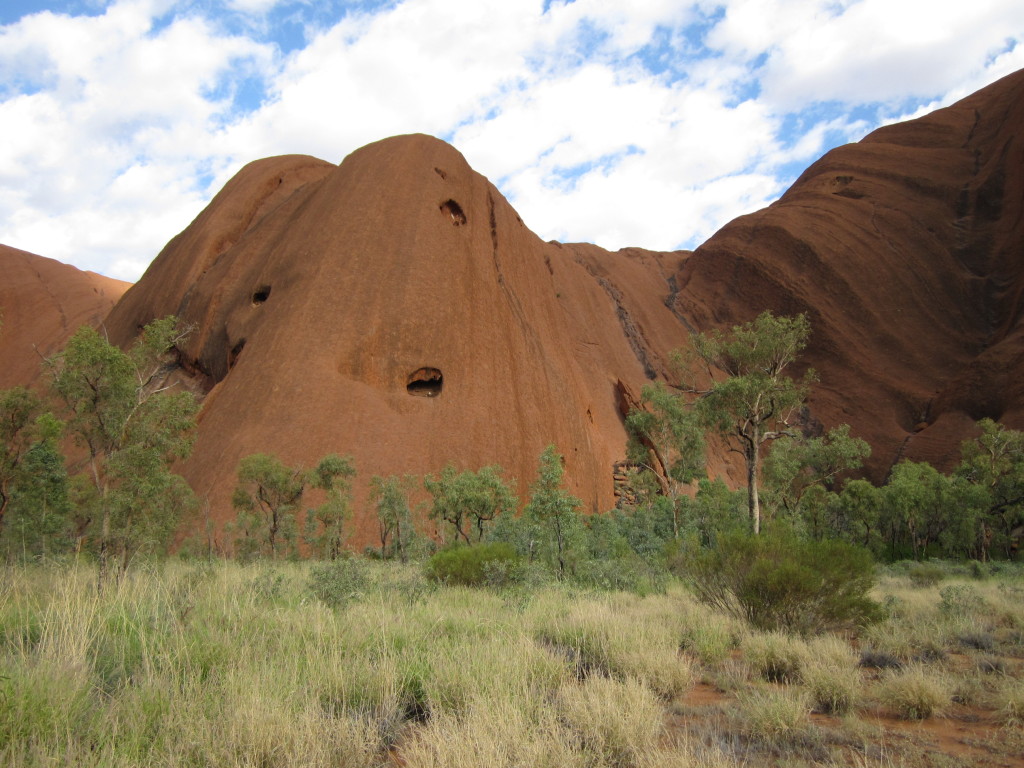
x=649, y=125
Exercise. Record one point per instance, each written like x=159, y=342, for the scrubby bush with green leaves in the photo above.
x=470, y=565
x=925, y=574
x=778, y=581
x=470, y=501
x=339, y=582
x=267, y=498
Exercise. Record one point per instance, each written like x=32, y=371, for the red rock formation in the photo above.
x=905, y=251
x=42, y=302
x=396, y=308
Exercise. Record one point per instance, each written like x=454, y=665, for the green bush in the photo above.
x=629, y=573
x=475, y=565
x=339, y=582
x=925, y=574
x=777, y=581
x=961, y=600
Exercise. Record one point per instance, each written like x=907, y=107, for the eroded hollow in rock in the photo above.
x=454, y=210
x=425, y=382
x=260, y=295
x=234, y=354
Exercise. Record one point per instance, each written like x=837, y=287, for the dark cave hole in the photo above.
x=260, y=295
x=425, y=382
x=454, y=210
x=234, y=353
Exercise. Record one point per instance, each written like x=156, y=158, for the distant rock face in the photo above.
x=907, y=252
x=395, y=307
x=42, y=302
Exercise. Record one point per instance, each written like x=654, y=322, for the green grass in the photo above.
x=256, y=665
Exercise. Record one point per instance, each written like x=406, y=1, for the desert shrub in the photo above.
x=873, y=659
x=958, y=600
x=339, y=582
x=978, y=570
x=470, y=566
x=777, y=581
x=991, y=665
x=406, y=584
x=925, y=574
x=915, y=694
x=629, y=573
x=978, y=641
x=268, y=585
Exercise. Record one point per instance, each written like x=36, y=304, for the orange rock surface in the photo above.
x=396, y=308
x=42, y=302
x=905, y=250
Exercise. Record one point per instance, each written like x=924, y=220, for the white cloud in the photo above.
x=649, y=124
x=120, y=107
x=865, y=51
x=257, y=7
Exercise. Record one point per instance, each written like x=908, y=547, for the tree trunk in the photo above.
x=101, y=489
x=558, y=536
x=753, y=500
x=104, y=554
x=272, y=535
x=399, y=544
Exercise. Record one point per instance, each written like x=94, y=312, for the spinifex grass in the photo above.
x=224, y=664
x=227, y=665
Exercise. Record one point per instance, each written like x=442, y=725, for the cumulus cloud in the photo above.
x=616, y=124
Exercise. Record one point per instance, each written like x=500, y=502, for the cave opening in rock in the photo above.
x=454, y=210
x=260, y=295
x=425, y=382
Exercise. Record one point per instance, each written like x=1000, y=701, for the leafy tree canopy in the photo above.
x=469, y=501
x=133, y=426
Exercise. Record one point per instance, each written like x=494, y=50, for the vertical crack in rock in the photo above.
x=670, y=303
x=630, y=329
x=234, y=354
x=513, y=300
x=53, y=298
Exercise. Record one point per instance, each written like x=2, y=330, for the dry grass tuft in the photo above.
x=915, y=693
x=617, y=722
x=775, y=716
x=775, y=656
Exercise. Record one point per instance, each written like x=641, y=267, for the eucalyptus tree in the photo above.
x=750, y=399
x=553, y=509
x=470, y=501
x=389, y=497
x=133, y=426
x=267, y=499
